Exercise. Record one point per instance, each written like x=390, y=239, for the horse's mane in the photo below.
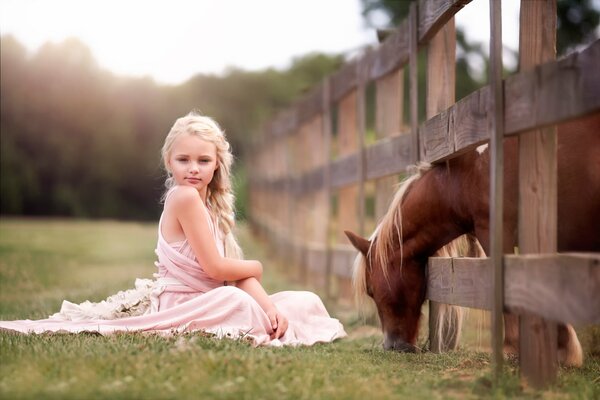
x=382, y=239
x=384, y=233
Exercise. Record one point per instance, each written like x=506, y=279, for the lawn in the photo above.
x=43, y=262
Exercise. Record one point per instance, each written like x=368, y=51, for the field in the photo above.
x=43, y=262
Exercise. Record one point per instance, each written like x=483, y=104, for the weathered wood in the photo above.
x=441, y=76
x=316, y=258
x=348, y=143
x=343, y=81
x=554, y=92
x=361, y=130
x=561, y=287
x=562, y=84
x=392, y=53
x=344, y=171
x=413, y=80
x=463, y=126
x=310, y=105
x=538, y=356
x=328, y=192
x=342, y=259
x=283, y=123
x=435, y=14
x=535, y=284
x=388, y=156
x=496, y=193
x=461, y=281
x=389, y=116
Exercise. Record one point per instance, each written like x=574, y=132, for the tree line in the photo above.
x=77, y=140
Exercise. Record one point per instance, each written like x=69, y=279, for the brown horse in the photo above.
x=439, y=203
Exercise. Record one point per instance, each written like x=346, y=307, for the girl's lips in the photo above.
x=193, y=180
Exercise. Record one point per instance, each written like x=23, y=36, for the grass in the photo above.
x=45, y=261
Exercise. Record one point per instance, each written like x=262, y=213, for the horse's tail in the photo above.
x=449, y=319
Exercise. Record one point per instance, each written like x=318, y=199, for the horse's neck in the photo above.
x=432, y=212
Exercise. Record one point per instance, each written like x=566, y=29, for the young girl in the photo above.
x=203, y=282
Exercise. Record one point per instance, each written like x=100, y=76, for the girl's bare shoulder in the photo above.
x=183, y=196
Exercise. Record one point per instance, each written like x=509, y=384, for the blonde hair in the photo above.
x=220, y=199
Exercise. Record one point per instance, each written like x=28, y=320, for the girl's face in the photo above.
x=192, y=161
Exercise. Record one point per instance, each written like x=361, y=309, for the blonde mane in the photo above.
x=391, y=224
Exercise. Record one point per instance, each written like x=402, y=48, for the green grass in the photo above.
x=45, y=261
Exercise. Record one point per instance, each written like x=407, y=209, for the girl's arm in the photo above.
x=253, y=287
x=187, y=206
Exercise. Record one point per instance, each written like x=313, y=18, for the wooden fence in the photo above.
x=319, y=170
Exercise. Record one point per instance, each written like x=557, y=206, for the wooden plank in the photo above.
x=555, y=91
x=342, y=258
x=388, y=156
x=392, y=53
x=310, y=105
x=361, y=128
x=538, y=356
x=496, y=190
x=389, y=117
x=328, y=192
x=560, y=287
x=434, y=14
x=283, y=123
x=348, y=142
x=344, y=171
x=316, y=258
x=461, y=281
x=343, y=81
x=563, y=84
x=535, y=284
x=441, y=77
x=413, y=79
x=468, y=118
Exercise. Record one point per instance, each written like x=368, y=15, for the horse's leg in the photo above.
x=511, y=333
x=570, y=353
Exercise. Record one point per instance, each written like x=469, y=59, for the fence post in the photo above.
x=537, y=192
x=413, y=46
x=389, y=110
x=496, y=121
x=326, y=121
x=441, y=77
x=349, y=197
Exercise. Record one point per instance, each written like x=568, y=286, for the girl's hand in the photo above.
x=279, y=323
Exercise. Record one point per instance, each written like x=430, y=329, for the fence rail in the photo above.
x=302, y=197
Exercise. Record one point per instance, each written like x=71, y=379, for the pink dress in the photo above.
x=183, y=298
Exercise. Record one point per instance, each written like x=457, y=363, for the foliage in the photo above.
x=577, y=24
x=79, y=141
x=577, y=20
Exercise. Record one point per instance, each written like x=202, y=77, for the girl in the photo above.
x=203, y=282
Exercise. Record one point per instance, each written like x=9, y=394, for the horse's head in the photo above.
x=398, y=290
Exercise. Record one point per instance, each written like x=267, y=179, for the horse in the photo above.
x=444, y=204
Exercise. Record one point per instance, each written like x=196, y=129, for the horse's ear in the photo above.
x=360, y=243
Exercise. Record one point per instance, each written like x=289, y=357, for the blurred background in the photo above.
x=89, y=89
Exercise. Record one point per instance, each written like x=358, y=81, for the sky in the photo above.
x=172, y=40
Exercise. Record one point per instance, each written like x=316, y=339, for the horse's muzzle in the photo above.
x=398, y=344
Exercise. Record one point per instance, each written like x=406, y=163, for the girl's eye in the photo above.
x=205, y=161
x=182, y=160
